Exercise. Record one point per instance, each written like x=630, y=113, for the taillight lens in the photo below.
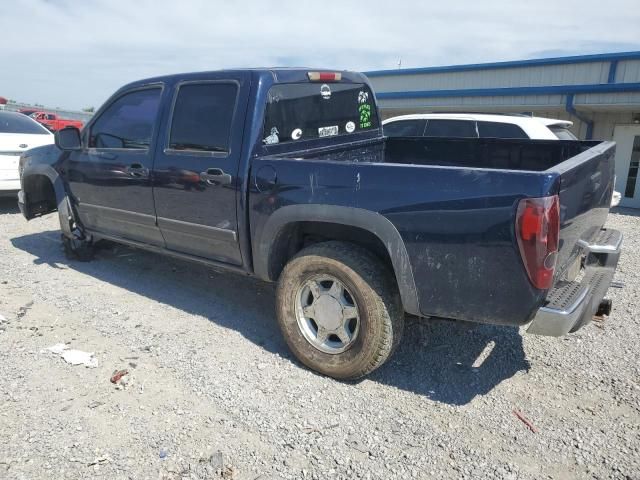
x=537, y=232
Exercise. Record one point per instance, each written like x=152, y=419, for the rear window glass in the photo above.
x=451, y=128
x=500, y=130
x=563, y=133
x=306, y=111
x=18, y=123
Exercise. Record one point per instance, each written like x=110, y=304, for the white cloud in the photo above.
x=74, y=54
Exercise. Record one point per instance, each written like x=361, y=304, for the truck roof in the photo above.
x=274, y=74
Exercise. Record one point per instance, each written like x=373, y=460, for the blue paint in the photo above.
x=613, y=68
x=456, y=222
x=602, y=57
x=508, y=91
x=572, y=110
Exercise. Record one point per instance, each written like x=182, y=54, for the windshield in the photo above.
x=563, y=133
x=305, y=111
x=17, y=123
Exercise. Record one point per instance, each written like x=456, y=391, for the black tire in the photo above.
x=77, y=249
x=375, y=292
x=76, y=245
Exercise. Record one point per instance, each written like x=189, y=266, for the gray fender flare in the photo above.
x=373, y=222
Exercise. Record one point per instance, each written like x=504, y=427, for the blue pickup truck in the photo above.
x=284, y=174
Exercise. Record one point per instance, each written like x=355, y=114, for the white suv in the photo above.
x=476, y=125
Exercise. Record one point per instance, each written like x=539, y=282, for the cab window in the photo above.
x=128, y=122
x=202, y=117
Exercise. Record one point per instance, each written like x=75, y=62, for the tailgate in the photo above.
x=586, y=188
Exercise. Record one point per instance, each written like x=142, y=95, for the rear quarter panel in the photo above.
x=457, y=225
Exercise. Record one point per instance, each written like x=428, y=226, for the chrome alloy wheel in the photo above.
x=327, y=314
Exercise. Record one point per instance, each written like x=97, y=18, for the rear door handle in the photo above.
x=137, y=170
x=215, y=176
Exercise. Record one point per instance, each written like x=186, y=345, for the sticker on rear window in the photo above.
x=350, y=127
x=325, y=91
x=296, y=134
x=365, y=115
x=328, y=131
x=273, y=138
x=364, y=109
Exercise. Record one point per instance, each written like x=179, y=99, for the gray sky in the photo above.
x=74, y=54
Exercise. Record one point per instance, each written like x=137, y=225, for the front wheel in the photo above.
x=77, y=246
x=339, y=309
x=77, y=249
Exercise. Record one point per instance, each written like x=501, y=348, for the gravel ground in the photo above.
x=212, y=391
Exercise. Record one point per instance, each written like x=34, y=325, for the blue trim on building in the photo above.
x=507, y=91
x=600, y=57
x=571, y=109
x=613, y=68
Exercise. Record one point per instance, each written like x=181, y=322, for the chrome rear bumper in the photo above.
x=571, y=305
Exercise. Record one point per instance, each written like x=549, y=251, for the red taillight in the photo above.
x=537, y=232
x=324, y=76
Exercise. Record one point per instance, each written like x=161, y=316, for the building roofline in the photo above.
x=511, y=91
x=599, y=57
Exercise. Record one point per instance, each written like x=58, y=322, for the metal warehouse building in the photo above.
x=599, y=93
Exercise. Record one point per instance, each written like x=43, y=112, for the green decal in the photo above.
x=365, y=115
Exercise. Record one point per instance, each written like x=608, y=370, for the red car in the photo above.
x=28, y=111
x=53, y=122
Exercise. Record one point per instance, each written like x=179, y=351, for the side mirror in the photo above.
x=68, y=139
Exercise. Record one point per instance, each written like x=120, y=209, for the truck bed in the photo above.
x=497, y=154
x=453, y=202
x=516, y=154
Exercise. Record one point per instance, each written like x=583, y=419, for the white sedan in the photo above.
x=18, y=133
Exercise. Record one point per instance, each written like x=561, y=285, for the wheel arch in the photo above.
x=275, y=246
x=42, y=190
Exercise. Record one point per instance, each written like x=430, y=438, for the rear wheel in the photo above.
x=339, y=309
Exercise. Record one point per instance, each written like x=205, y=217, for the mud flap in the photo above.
x=66, y=217
x=71, y=228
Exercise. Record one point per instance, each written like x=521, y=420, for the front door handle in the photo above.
x=137, y=170
x=215, y=176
